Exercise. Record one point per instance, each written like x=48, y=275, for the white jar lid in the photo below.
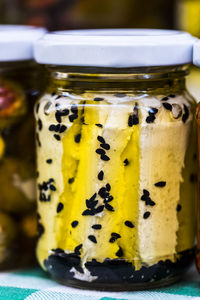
x=16, y=42
x=115, y=48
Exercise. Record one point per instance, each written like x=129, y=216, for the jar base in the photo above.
x=113, y=275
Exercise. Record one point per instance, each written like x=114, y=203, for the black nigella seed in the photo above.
x=103, y=193
x=59, y=207
x=74, y=109
x=77, y=249
x=62, y=128
x=129, y=224
x=160, y=184
x=146, y=193
x=150, y=119
x=53, y=94
x=57, y=137
x=91, y=204
x=97, y=226
x=105, y=157
x=49, y=161
x=100, y=175
x=99, y=125
x=178, y=208
x=73, y=117
x=167, y=106
x=71, y=180
x=172, y=96
x=186, y=113
x=38, y=140
x=58, y=117
x=93, y=197
x=74, y=224
x=58, y=97
x=126, y=162
x=39, y=124
x=101, y=139
x=108, y=187
x=52, y=188
x=92, y=239
x=105, y=146
x=100, y=151
x=77, y=138
x=109, y=207
x=119, y=253
x=165, y=99
x=146, y=215
x=52, y=127
x=112, y=239
x=120, y=95
x=116, y=235
x=98, y=99
x=153, y=110
x=99, y=209
x=57, y=128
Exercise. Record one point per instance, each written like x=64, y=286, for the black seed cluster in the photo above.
x=134, y=117
x=74, y=224
x=92, y=208
x=186, y=113
x=151, y=117
x=37, y=108
x=44, y=188
x=104, y=146
x=146, y=197
x=114, y=237
x=61, y=113
x=129, y=224
x=169, y=96
x=60, y=207
x=160, y=184
x=104, y=193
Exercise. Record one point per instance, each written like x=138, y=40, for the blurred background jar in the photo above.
x=187, y=19
x=19, y=88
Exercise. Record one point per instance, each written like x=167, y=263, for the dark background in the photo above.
x=72, y=14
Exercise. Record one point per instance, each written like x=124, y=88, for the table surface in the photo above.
x=35, y=284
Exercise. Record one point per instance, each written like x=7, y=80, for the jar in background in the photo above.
x=116, y=158
x=20, y=84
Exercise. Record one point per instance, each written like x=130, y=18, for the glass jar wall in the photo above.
x=18, y=91
x=116, y=177
x=19, y=88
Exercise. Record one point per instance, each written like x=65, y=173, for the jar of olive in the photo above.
x=19, y=87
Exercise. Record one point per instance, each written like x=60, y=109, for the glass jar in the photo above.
x=116, y=161
x=19, y=87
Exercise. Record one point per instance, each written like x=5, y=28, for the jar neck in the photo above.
x=134, y=79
